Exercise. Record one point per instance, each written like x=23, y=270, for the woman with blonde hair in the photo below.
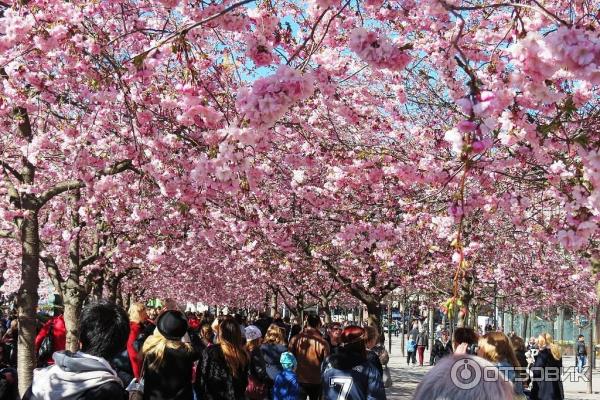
x=223, y=371
x=168, y=362
x=547, y=371
x=273, y=347
x=496, y=348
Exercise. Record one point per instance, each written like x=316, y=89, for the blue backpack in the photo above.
x=411, y=345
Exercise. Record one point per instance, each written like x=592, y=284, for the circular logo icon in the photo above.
x=465, y=374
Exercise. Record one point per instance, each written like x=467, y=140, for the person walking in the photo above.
x=411, y=351
x=349, y=374
x=310, y=349
x=441, y=348
x=286, y=382
x=167, y=361
x=581, y=360
x=547, y=383
x=86, y=374
x=223, y=370
x=422, y=341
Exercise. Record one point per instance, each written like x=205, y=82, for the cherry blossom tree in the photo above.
x=237, y=148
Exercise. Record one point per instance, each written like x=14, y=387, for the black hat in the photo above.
x=172, y=324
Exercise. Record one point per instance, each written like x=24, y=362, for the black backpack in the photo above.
x=47, y=346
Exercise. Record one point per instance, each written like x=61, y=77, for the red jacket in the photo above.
x=59, y=335
x=134, y=357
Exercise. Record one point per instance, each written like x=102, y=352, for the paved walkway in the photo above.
x=406, y=378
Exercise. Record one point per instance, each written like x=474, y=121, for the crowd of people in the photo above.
x=160, y=354
x=523, y=371
x=153, y=354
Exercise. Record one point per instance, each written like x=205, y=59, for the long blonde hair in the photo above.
x=230, y=339
x=545, y=340
x=155, y=347
x=496, y=347
x=137, y=311
x=274, y=335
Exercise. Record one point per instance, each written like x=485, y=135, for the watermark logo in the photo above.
x=467, y=373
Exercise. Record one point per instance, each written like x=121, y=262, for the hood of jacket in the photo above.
x=344, y=360
x=71, y=375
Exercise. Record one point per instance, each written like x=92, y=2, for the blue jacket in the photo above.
x=349, y=376
x=286, y=386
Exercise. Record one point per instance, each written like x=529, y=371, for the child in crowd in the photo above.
x=286, y=384
x=411, y=351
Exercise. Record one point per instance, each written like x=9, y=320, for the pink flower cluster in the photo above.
x=270, y=97
x=572, y=49
x=14, y=28
x=259, y=50
x=578, y=51
x=377, y=51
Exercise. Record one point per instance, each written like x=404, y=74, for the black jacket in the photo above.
x=546, y=389
x=173, y=379
x=271, y=354
x=258, y=368
x=214, y=381
x=440, y=350
x=373, y=358
x=350, y=373
x=581, y=350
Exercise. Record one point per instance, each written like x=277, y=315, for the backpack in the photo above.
x=411, y=345
x=47, y=345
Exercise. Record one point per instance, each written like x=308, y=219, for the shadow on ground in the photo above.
x=405, y=382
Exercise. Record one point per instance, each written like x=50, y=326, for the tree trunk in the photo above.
x=466, y=295
x=374, y=310
x=597, y=323
x=273, y=308
x=597, y=319
x=112, y=285
x=525, y=320
x=27, y=299
x=119, y=296
x=327, y=310
x=98, y=287
x=73, y=299
x=125, y=299
x=512, y=321
x=561, y=324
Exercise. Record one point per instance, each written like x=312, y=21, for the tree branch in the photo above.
x=13, y=171
x=186, y=29
x=73, y=184
x=53, y=272
x=7, y=235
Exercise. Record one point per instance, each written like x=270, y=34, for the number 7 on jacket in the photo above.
x=345, y=382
